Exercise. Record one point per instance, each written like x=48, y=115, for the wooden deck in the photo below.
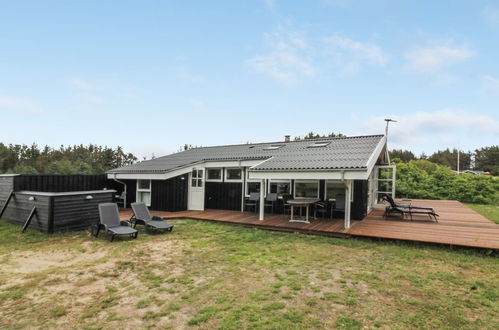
x=458, y=225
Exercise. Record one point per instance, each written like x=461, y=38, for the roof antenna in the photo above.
x=388, y=120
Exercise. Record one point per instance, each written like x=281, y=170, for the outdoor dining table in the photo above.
x=301, y=203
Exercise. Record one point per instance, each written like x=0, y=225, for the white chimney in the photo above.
x=287, y=138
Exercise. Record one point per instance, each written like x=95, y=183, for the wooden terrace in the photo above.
x=457, y=225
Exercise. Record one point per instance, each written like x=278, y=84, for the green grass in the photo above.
x=215, y=276
x=491, y=212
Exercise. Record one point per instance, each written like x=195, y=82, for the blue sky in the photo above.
x=153, y=75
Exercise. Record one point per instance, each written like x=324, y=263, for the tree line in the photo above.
x=484, y=159
x=76, y=159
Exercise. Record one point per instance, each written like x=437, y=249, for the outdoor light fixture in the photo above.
x=31, y=198
x=89, y=197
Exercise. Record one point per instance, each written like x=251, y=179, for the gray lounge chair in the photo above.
x=141, y=216
x=110, y=222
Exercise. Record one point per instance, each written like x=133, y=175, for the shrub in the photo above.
x=424, y=179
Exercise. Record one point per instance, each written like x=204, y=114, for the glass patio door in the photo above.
x=384, y=181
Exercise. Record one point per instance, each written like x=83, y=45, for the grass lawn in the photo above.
x=491, y=212
x=208, y=275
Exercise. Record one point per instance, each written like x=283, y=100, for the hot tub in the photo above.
x=55, y=211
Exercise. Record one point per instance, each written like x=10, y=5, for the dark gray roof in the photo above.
x=339, y=153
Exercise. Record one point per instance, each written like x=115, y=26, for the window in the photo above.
x=214, y=174
x=233, y=174
x=333, y=189
x=273, y=147
x=197, y=178
x=385, y=177
x=319, y=144
x=252, y=187
x=280, y=187
x=309, y=189
x=144, y=184
x=144, y=191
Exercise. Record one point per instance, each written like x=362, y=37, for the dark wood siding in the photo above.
x=359, y=204
x=64, y=183
x=57, y=212
x=74, y=212
x=322, y=188
x=19, y=208
x=6, y=186
x=169, y=195
x=223, y=195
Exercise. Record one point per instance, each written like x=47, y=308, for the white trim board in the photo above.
x=310, y=175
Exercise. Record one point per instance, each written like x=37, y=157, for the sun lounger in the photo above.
x=110, y=222
x=405, y=209
x=141, y=216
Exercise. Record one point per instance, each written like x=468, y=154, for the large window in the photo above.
x=308, y=189
x=252, y=187
x=144, y=191
x=233, y=174
x=197, y=178
x=333, y=189
x=213, y=174
x=280, y=187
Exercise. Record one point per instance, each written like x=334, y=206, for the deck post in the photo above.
x=348, y=187
x=262, y=200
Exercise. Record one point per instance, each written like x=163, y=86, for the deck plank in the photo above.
x=457, y=225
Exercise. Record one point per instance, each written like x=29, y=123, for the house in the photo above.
x=222, y=177
x=475, y=172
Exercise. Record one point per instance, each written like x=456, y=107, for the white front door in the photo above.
x=196, y=189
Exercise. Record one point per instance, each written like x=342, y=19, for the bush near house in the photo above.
x=424, y=179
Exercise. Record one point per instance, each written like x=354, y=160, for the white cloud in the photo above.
x=442, y=128
x=270, y=4
x=78, y=83
x=288, y=58
x=195, y=103
x=12, y=103
x=491, y=15
x=490, y=83
x=346, y=49
x=434, y=58
x=190, y=77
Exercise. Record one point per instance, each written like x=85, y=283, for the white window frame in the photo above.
x=213, y=180
x=139, y=190
x=279, y=181
x=246, y=194
x=332, y=182
x=226, y=177
x=306, y=181
x=198, y=178
x=377, y=180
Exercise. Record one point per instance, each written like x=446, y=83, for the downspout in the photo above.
x=124, y=190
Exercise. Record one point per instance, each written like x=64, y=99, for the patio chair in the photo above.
x=110, y=222
x=321, y=208
x=286, y=208
x=404, y=210
x=271, y=201
x=339, y=205
x=141, y=216
x=252, y=201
